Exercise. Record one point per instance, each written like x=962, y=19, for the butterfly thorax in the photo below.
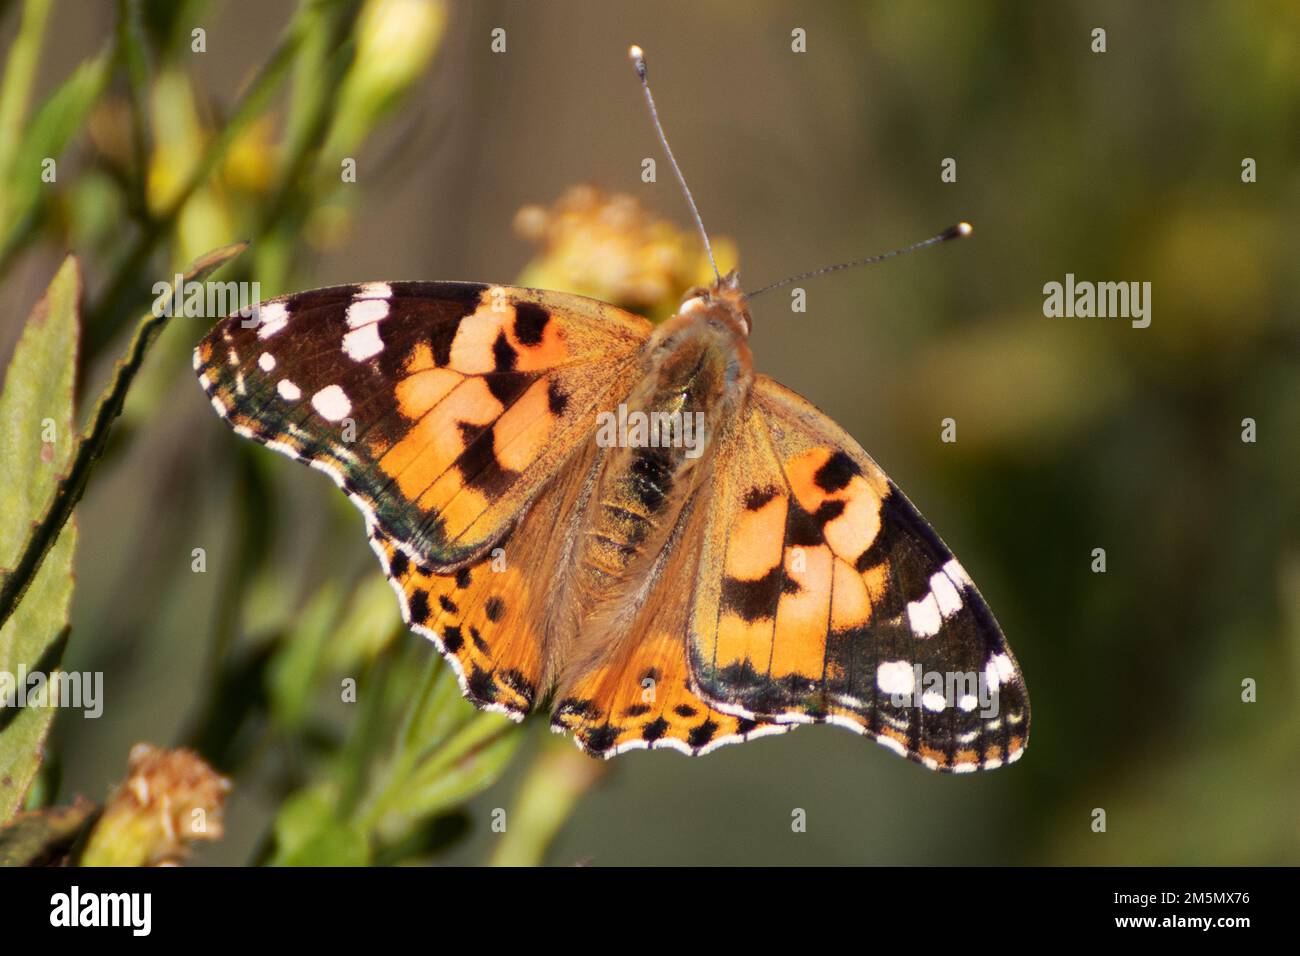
x=655, y=448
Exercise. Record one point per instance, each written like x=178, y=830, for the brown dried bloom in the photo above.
x=169, y=799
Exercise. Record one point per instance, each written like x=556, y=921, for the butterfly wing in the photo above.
x=638, y=693
x=453, y=415
x=488, y=618
x=826, y=597
x=441, y=408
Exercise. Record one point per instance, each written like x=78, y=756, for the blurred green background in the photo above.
x=1073, y=433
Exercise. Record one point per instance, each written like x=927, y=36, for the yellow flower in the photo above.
x=251, y=161
x=610, y=247
x=396, y=39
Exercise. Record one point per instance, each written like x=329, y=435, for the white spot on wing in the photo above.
x=363, y=343
x=934, y=701
x=273, y=316
x=376, y=290
x=945, y=593
x=266, y=361
x=365, y=311
x=999, y=670
x=288, y=391
x=923, y=616
x=332, y=403
x=896, y=677
x=892, y=744
x=958, y=574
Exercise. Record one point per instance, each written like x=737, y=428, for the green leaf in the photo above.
x=41, y=527
x=370, y=624
x=44, y=837
x=307, y=833
x=37, y=436
x=292, y=675
x=55, y=123
x=20, y=76
x=465, y=765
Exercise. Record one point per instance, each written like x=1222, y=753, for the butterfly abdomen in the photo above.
x=652, y=447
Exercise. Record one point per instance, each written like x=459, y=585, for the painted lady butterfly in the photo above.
x=655, y=593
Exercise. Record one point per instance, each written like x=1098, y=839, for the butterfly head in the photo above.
x=703, y=350
x=721, y=303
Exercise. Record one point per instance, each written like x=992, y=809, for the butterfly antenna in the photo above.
x=638, y=61
x=958, y=231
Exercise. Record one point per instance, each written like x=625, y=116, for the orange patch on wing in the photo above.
x=877, y=580
x=464, y=506
x=801, y=472
x=471, y=349
x=551, y=351
x=645, y=698
x=420, y=359
x=447, y=486
x=801, y=616
x=857, y=526
x=754, y=546
x=850, y=602
x=420, y=391
x=891, y=733
x=521, y=433
x=433, y=445
x=481, y=617
x=938, y=756
x=739, y=641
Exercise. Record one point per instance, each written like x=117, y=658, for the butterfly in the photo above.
x=623, y=522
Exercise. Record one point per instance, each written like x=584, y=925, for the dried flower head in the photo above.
x=169, y=800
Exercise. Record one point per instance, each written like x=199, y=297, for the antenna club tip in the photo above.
x=637, y=56
x=964, y=228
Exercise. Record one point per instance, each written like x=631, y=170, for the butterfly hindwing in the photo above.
x=489, y=616
x=828, y=598
x=441, y=408
x=639, y=694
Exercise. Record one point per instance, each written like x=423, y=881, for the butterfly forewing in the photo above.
x=441, y=408
x=829, y=598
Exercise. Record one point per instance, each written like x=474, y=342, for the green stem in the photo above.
x=133, y=54
x=19, y=77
